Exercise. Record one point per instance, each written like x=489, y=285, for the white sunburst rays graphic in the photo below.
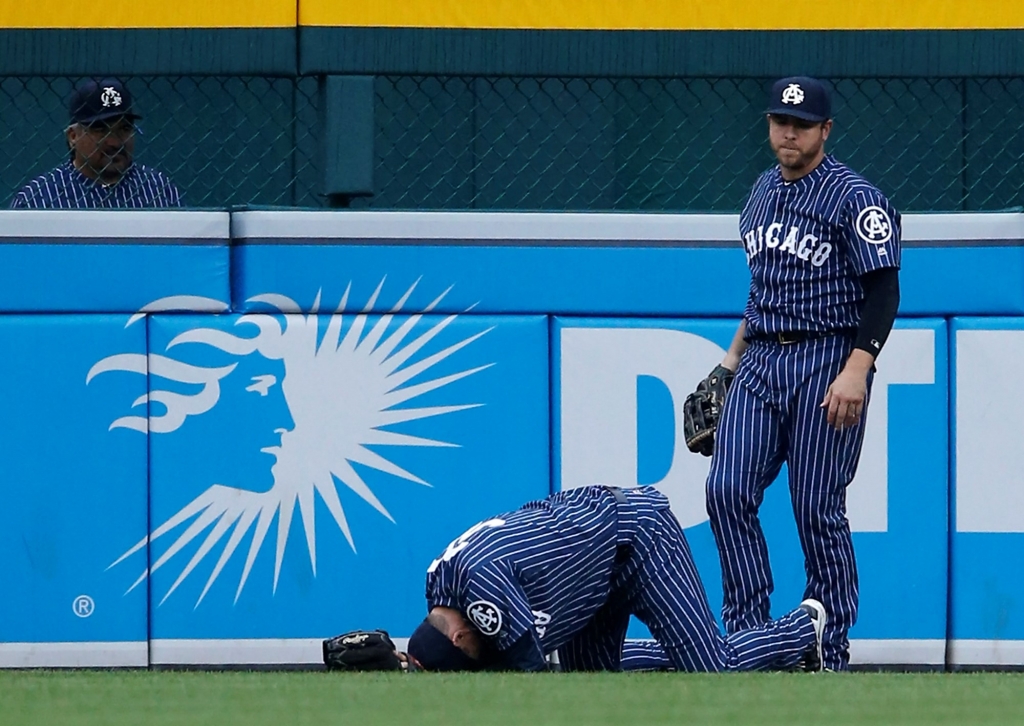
x=342, y=394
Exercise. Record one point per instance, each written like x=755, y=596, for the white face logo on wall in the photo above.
x=340, y=391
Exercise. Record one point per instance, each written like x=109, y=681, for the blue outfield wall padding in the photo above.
x=337, y=448
x=963, y=264
x=980, y=280
x=896, y=503
x=70, y=481
x=505, y=280
x=596, y=264
x=503, y=355
x=496, y=262
x=987, y=603
x=117, y=261
x=617, y=264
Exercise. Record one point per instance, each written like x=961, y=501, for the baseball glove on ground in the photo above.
x=703, y=409
x=361, y=650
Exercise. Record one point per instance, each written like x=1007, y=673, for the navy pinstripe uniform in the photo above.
x=808, y=243
x=65, y=187
x=565, y=573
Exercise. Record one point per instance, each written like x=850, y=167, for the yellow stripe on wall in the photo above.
x=523, y=14
x=667, y=14
x=149, y=14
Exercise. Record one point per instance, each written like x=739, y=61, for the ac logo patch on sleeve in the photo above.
x=874, y=226
x=485, y=616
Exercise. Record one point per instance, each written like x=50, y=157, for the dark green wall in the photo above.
x=149, y=51
x=413, y=51
x=622, y=53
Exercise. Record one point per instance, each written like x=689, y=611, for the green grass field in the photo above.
x=73, y=698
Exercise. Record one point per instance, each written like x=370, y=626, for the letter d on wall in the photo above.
x=598, y=374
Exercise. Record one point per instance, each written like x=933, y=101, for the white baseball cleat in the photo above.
x=812, y=660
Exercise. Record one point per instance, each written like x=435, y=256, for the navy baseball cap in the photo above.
x=436, y=652
x=802, y=97
x=100, y=99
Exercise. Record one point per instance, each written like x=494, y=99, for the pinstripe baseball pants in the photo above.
x=659, y=584
x=772, y=416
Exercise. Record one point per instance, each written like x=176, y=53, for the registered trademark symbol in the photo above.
x=83, y=606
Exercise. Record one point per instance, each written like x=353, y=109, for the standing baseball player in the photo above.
x=565, y=573
x=823, y=246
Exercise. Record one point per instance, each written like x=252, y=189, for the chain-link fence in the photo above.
x=221, y=140
x=683, y=144
x=542, y=143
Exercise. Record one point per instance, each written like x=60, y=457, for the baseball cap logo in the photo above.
x=793, y=94
x=110, y=97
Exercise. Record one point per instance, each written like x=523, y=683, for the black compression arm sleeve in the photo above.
x=881, y=300
x=522, y=655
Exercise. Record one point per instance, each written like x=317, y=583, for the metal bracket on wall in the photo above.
x=347, y=104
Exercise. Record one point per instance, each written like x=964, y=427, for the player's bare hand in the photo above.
x=844, y=399
x=844, y=402
x=409, y=664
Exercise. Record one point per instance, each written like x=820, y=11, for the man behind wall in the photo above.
x=101, y=172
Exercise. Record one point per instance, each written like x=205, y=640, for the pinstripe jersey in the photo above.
x=65, y=187
x=807, y=244
x=566, y=572
x=544, y=569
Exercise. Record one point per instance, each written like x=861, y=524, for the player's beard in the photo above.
x=796, y=160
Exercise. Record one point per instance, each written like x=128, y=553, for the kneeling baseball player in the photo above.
x=564, y=574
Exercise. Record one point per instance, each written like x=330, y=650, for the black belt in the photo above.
x=623, y=552
x=620, y=496
x=799, y=336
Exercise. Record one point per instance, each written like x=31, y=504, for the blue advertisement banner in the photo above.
x=70, y=486
x=618, y=389
x=228, y=444
x=296, y=458
x=987, y=603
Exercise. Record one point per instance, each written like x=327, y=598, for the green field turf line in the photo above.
x=113, y=698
